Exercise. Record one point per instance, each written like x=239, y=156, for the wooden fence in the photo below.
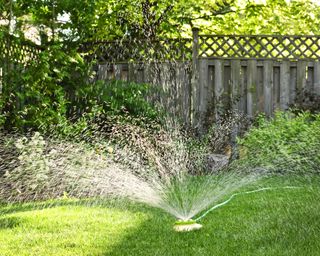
x=172, y=78
x=253, y=86
x=250, y=74
x=204, y=75
x=254, y=74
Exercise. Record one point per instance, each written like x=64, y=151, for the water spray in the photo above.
x=191, y=224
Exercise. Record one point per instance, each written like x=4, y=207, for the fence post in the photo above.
x=195, y=77
x=317, y=77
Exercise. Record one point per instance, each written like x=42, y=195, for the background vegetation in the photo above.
x=288, y=143
x=50, y=90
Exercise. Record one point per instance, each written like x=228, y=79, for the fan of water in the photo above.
x=39, y=169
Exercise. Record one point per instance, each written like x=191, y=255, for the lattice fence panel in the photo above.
x=260, y=46
x=139, y=50
x=17, y=52
x=15, y=57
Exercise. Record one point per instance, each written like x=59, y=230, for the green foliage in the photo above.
x=35, y=95
x=286, y=143
x=108, y=19
x=116, y=98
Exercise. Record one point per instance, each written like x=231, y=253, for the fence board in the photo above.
x=226, y=96
x=211, y=94
x=103, y=72
x=251, y=87
x=235, y=84
x=203, y=90
x=165, y=85
x=276, y=88
x=147, y=73
x=218, y=86
x=117, y=71
x=309, y=82
x=243, y=89
x=301, y=75
x=284, y=85
x=317, y=77
x=259, y=90
x=185, y=92
x=268, y=87
x=130, y=71
x=293, y=84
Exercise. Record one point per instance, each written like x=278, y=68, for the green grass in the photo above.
x=276, y=222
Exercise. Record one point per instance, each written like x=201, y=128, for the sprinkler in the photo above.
x=186, y=225
x=190, y=224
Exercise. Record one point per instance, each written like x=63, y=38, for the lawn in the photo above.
x=271, y=222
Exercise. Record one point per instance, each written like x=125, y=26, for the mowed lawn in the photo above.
x=271, y=222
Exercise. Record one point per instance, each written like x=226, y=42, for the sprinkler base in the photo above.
x=186, y=226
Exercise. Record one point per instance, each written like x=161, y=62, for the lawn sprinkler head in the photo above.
x=186, y=225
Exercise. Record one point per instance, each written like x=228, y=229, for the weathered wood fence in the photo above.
x=250, y=74
x=253, y=86
x=173, y=80
x=255, y=74
x=204, y=75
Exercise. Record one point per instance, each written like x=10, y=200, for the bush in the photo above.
x=306, y=101
x=34, y=97
x=287, y=143
x=42, y=168
x=115, y=98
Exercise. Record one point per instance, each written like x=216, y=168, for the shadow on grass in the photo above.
x=270, y=223
x=9, y=222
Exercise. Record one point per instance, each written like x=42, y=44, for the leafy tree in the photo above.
x=268, y=17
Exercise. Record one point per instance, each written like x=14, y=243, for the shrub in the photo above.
x=287, y=143
x=44, y=168
x=34, y=96
x=115, y=98
x=306, y=101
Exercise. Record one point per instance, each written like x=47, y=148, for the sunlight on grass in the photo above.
x=65, y=230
